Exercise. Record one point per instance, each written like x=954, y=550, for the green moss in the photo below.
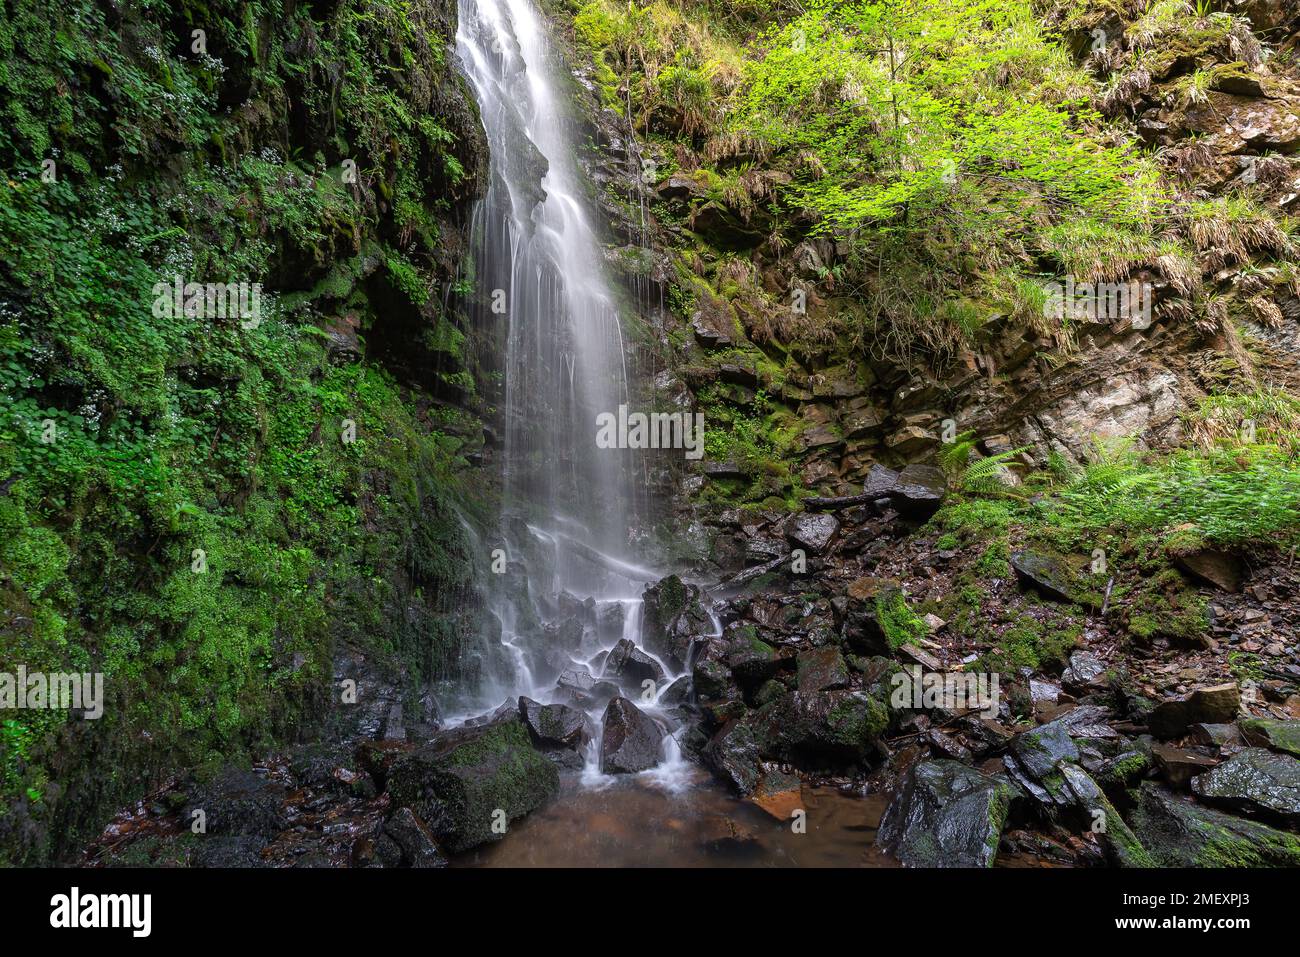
x=899, y=623
x=177, y=436
x=856, y=721
x=1029, y=643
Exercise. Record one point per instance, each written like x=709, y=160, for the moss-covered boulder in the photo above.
x=1098, y=815
x=671, y=618
x=468, y=783
x=1182, y=833
x=839, y=726
x=946, y=815
x=1272, y=733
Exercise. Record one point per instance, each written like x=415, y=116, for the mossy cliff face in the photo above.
x=840, y=292
x=205, y=505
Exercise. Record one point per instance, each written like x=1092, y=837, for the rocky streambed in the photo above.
x=788, y=741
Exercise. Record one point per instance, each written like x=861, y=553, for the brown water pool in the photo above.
x=633, y=823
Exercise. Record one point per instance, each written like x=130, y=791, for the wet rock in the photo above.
x=1123, y=770
x=779, y=794
x=1254, y=780
x=387, y=853
x=584, y=688
x=1084, y=669
x=462, y=782
x=239, y=803
x=920, y=490
x=1040, y=751
x=565, y=634
x=826, y=725
x=553, y=725
x=609, y=620
x=630, y=740
x=1179, y=765
x=1177, y=832
x=822, y=669
x=1272, y=733
x=751, y=659
x=945, y=815
x=1216, y=735
x=631, y=665
x=419, y=849
x=880, y=481
x=672, y=618
x=949, y=747
x=1216, y=705
x=1046, y=575
x=813, y=532
x=229, y=851
x=872, y=600
x=733, y=754
x=679, y=187
x=330, y=768
x=1096, y=813
x=713, y=680
x=679, y=692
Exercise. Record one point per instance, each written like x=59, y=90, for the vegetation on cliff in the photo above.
x=201, y=506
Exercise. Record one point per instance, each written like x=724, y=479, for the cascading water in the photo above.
x=570, y=591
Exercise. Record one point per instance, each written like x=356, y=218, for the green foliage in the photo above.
x=1230, y=496
x=180, y=510
x=900, y=624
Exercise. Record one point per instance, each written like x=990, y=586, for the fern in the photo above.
x=988, y=476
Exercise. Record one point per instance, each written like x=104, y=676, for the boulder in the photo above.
x=822, y=669
x=1217, y=568
x=880, y=481
x=733, y=754
x=1048, y=576
x=812, y=531
x=553, y=725
x=751, y=659
x=1040, y=750
x=779, y=794
x=672, y=618
x=460, y=782
x=238, y=803
x=419, y=849
x=920, y=490
x=1179, y=765
x=825, y=725
x=584, y=688
x=1254, y=780
x=630, y=740
x=679, y=692
x=1099, y=816
x=1216, y=705
x=1036, y=758
x=1272, y=733
x=632, y=666
x=1178, y=832
x=945, y=815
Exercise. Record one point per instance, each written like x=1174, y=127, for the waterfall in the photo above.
x=572, y=587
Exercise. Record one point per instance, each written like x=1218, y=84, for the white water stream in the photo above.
x=569, y=506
